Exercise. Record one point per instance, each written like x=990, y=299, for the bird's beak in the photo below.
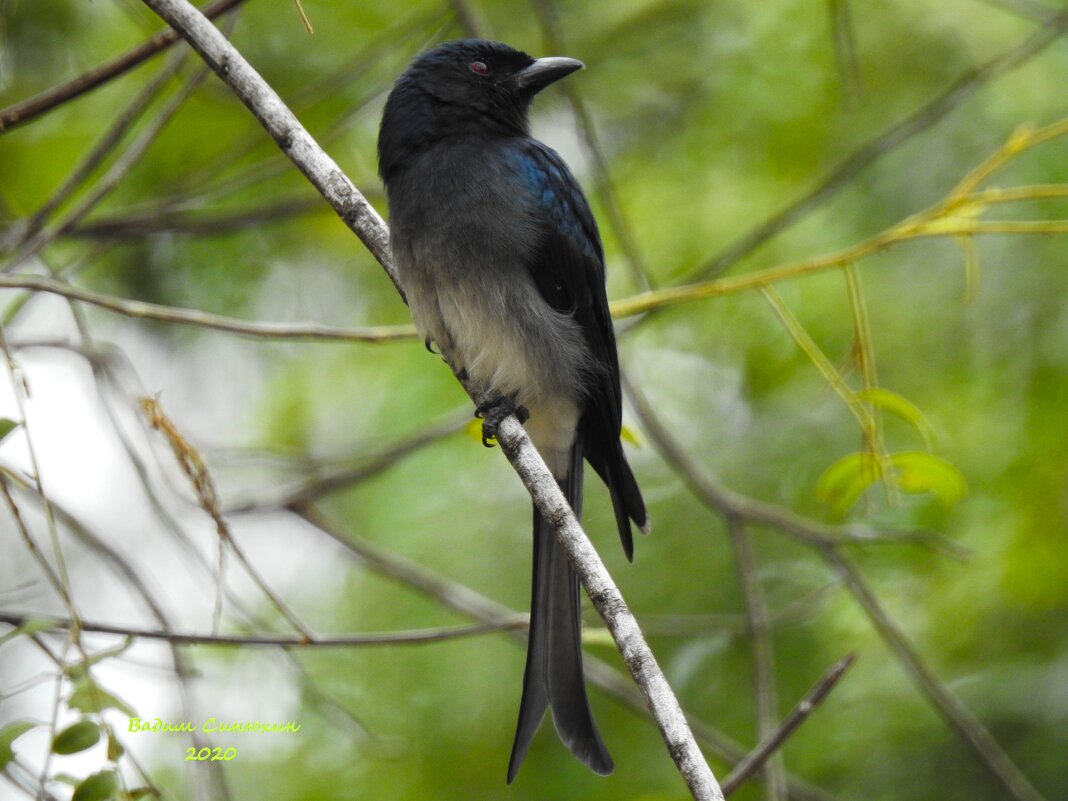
x=545, y=71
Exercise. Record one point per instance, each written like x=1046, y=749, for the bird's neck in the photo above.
x=411, y=130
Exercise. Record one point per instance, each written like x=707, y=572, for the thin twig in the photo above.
x=954, y=215
x=22, y=777
x=161, y=221
x=606, y=191
x=114, y=176
x=304, y=17
x=467, y=601
x=26, y=110
x=193, y=466
x=183, y=663
x=102, y=149
x=798, y=715
x=171, y=314
x=955, y=713
x=894, y=136
x=844, y=37
x=348, y=476
x=757, y=619
x=286, y=130
x=407, y=637
x=724, y=500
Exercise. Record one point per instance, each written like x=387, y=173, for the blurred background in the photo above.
x=887, y=434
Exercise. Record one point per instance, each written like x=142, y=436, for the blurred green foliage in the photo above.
x=714, y=115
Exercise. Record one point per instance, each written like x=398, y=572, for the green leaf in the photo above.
x=474, y=430
x=900, y=407
x=115, y=749
x=88, y=698
x=7, y=425
x=77, y=671
x=31, y=626
x=630, y=435
x=8, y=735
x=842, y=484
x=81, y=736
x=919, y=472
x=138, y=793
x=98, y=787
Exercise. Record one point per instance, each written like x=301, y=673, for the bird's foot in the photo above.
x=494, y=410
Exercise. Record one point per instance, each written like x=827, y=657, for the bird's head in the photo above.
x=465, y=87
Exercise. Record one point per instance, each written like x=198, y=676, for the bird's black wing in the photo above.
x=568, y=270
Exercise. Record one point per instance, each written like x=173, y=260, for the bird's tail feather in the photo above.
x=553, y=676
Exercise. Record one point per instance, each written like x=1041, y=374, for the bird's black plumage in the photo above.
x=500, y=258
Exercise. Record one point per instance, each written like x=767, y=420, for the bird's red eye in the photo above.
x=479, y=68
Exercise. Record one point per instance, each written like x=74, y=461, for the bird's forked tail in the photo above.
x=553, y=675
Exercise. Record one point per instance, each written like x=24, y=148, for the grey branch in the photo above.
x=866, y=154
x=283, y=126
x=408, y=637
x=58, y=95
x=732, y=505
x=365, y=222
x=171, y=314
x=798, y=715
x=470, y=603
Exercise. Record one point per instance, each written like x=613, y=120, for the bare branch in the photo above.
x=112, y=177
x=955, y=713
x=408, y=637
x=757, y=620
x=606, y=191
x=161, y=221
x=845, y=51
x=917, y=122
x=798, y=715
x=730, y=505
x=216, y=322
x=286, y=130
x=728, y=502
x=106, y=144
x=345, y=477
x=469, y=602
x=46, y=101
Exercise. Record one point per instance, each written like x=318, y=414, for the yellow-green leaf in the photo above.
x=77, y=670
x=7, y=425
x=628, y=434
x=900, y=407
x=842, y=484
x=8, y=735
x=88, y=698
x=98, y=787
x=81, y=736
x=31, y=626
x=919, y=472
x=474, y=429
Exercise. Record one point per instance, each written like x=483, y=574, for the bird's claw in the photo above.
x=493, y=411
